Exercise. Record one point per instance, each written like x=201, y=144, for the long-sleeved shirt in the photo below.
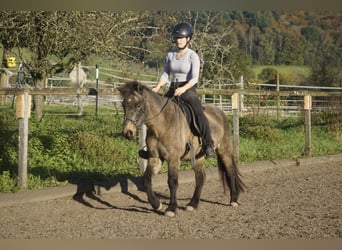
x=185, y=69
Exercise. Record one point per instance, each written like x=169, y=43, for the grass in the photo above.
x=67, y=148
x=290, y=73
x=290, y=145
x=284, y=69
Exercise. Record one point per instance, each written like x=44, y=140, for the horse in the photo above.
x=169, y=137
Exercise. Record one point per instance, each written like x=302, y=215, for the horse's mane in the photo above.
x=134, y=86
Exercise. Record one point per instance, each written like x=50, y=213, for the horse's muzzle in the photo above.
x=129, y=130
x=129, y=134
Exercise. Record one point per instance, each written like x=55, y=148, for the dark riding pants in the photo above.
x=191, y=97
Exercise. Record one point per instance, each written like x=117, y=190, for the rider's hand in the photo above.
x=180, y=91
x=156, y=89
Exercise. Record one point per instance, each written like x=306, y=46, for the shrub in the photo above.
x=269, y=75
x=95, y=148
x=7, y=182
x=260, y=128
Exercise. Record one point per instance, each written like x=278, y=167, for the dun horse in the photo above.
x=170, y=138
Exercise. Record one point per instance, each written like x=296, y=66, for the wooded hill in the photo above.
x=228, y=42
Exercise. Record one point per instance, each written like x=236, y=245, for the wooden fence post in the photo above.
x=278, y=97
x=241, y=97
x=236, y=142
x=23, y=110
x=307, y=110
x=79, y=82
x=97, y=91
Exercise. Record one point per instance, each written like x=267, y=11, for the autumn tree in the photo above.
x=325, y=67
x=214, y=48
x=212, y=41
x=58, y=39
x=291, y=49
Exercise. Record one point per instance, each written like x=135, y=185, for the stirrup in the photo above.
x=209, y=152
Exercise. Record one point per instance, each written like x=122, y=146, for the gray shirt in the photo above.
x=185, y=69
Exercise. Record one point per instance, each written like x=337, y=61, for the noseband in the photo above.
x=135, y=122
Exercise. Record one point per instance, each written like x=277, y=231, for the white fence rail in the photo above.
x=286, y=106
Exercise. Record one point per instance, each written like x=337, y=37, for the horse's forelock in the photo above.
x=128, y=88
x=123, y=90
x=140, y=87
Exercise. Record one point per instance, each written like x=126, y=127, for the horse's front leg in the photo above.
x=152, y=199
x=173, y=185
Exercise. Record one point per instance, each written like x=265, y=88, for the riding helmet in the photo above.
x=182, y=30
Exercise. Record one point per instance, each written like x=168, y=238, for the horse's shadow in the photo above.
x=92, y=191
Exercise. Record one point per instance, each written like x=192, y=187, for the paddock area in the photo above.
x=300, y=201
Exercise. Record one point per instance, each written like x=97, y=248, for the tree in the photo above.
x=8, y=41
x=213, y=48
x=325, y=67
x=266, y=47
x=268, y=75
x=292, y=47
x=253, y=36
x=69, y=37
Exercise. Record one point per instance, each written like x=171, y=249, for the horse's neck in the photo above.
x=163, y=113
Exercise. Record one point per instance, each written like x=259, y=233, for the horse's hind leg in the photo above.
x=153, y=200
x=200, y=179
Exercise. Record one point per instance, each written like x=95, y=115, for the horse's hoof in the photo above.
x=170, y=214
x=234, y=204
x=155, y=170
x=189, y=208
x=160, y=207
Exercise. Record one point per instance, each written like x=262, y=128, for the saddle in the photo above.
x=193, y=124
x=190, y=116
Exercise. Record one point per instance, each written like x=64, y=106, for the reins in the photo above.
x=135, y=121
x=161, y=110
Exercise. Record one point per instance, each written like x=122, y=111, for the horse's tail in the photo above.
x=240, y=185
x=231, y=178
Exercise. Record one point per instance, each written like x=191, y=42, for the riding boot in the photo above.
x=143, y=154
x=209, y=151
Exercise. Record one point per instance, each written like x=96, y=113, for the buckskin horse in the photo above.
x=170, y=138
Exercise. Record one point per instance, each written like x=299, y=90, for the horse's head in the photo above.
x=134, y=107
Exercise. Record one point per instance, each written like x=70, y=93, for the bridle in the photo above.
x=135, y=121
x=161, y=110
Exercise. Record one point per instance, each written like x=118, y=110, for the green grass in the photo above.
x=284, y=69
x=289, y=73
x=67, y=148
x=290, y=145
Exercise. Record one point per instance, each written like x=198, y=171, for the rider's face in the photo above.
x=182, y=42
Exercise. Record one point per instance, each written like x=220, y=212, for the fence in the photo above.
x=237, y=100
x=270, y=99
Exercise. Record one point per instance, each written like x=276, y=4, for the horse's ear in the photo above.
x=140, y=87
x=130, y=87
x=122, y=90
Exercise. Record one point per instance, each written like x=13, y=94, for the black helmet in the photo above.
x=182, y=30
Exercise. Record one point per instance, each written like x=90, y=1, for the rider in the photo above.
x=182, y=66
